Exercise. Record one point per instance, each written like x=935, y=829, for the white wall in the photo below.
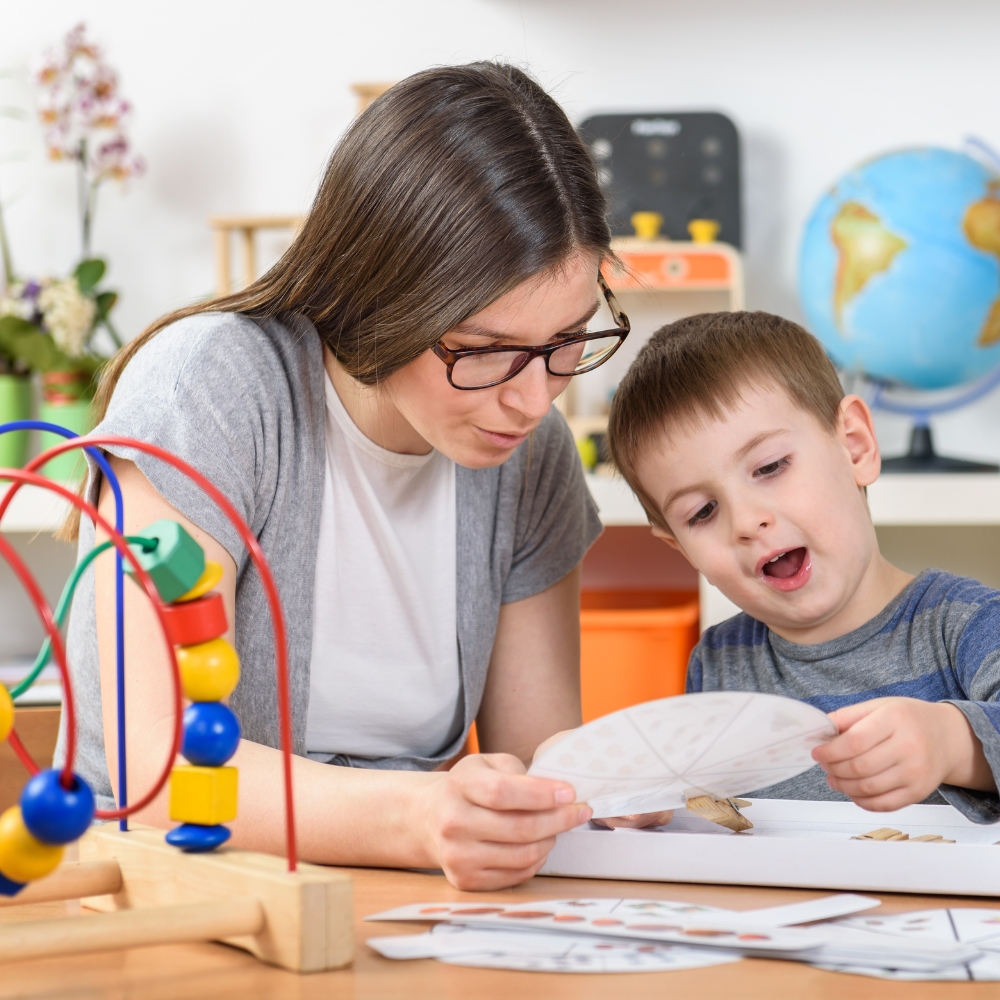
x=238, y=103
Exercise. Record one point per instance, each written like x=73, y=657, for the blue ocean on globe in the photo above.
x=899, y=273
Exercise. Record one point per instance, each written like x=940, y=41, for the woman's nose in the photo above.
x=532, y=390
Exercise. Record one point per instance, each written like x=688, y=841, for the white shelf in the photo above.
x=615, y=501
x=35, y=509
x=895, y=499
x=935, y=499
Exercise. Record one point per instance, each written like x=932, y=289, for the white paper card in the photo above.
x=930, y=931
x=657, y=755
x=546, y=952
x=635, y=919
x=824, y=908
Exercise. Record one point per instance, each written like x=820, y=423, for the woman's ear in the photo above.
x=856, y=430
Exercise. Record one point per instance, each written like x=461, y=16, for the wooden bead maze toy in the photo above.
x=184, y=886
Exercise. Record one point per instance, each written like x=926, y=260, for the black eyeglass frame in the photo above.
x=622, y=329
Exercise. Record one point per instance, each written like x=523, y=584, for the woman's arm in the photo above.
x=533, y=684
x=484, y=822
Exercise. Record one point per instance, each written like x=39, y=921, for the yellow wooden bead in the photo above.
x=204, y=795
x=22, y=857
x=6, y=713
x=207, y=580
x=209, y=671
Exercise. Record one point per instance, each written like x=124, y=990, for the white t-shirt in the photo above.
x=384, y=676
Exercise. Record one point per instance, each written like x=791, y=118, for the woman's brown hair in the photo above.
x=450, y=189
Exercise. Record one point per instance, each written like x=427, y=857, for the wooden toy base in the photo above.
x=151, y=893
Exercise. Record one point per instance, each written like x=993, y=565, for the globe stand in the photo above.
x=923, y=458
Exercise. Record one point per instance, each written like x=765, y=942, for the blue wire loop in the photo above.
x=105, y=467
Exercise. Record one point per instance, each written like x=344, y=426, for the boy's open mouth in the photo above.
x=785, y=565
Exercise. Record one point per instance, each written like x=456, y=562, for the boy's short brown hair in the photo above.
x=699, y=367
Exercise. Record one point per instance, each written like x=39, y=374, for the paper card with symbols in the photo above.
x=659, y=754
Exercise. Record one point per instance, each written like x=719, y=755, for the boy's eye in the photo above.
x=705, y=513
x=771, y=468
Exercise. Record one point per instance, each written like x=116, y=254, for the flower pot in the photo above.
x=15, y=404
x=61, y=405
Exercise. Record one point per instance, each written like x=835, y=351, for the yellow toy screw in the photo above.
x=703, y=230
x=647, y=224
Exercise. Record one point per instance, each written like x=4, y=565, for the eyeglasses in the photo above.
x=483, y=367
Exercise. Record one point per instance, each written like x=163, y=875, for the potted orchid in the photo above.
x=51, y=325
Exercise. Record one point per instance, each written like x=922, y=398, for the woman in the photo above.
x=421, y=503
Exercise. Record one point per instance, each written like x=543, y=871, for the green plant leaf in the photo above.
x=88, y=273
x=105, y=303
x=23, y=341
x=11, y=325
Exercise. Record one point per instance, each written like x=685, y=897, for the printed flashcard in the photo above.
x=842, y=943
x=848, y=946
x=977, y=928
x=639, y=919
x=933, y=925
x=495, y=948
x=657, y=755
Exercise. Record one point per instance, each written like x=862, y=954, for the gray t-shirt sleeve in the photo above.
x=187, y=391
x=976, y=659
x=557, y=519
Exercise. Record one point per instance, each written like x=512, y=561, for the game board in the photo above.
x=792, y=843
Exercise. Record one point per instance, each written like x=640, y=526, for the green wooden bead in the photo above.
x=177, y=562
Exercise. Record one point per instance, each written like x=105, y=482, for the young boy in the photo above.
x=735, y=434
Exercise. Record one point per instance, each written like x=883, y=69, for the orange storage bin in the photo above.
x=635, y=646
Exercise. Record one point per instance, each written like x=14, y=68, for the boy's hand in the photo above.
x=893, y=752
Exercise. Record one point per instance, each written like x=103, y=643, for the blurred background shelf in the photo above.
x=895, y=500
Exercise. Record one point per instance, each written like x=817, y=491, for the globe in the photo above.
x=899, y=273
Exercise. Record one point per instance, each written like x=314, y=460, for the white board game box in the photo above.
x=796, y=844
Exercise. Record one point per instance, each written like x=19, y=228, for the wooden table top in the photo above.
x=218, y=972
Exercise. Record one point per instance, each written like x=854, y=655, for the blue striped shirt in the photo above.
x=938, y=640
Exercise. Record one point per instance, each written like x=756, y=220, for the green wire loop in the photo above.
x=62, y=608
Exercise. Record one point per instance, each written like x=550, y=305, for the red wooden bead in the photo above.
x=194, y=622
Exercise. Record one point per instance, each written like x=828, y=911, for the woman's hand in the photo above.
x=491, y=826
x=638, y=821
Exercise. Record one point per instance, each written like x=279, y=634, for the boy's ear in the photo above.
x=856, y=429
x=666, y=536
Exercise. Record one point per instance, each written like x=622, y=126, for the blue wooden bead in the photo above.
x=53, y=814
x=211, y=733
x=8, y=887
x=196, y=839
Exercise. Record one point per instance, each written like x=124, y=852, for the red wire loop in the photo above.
x=259, y=560
x=21, y=477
